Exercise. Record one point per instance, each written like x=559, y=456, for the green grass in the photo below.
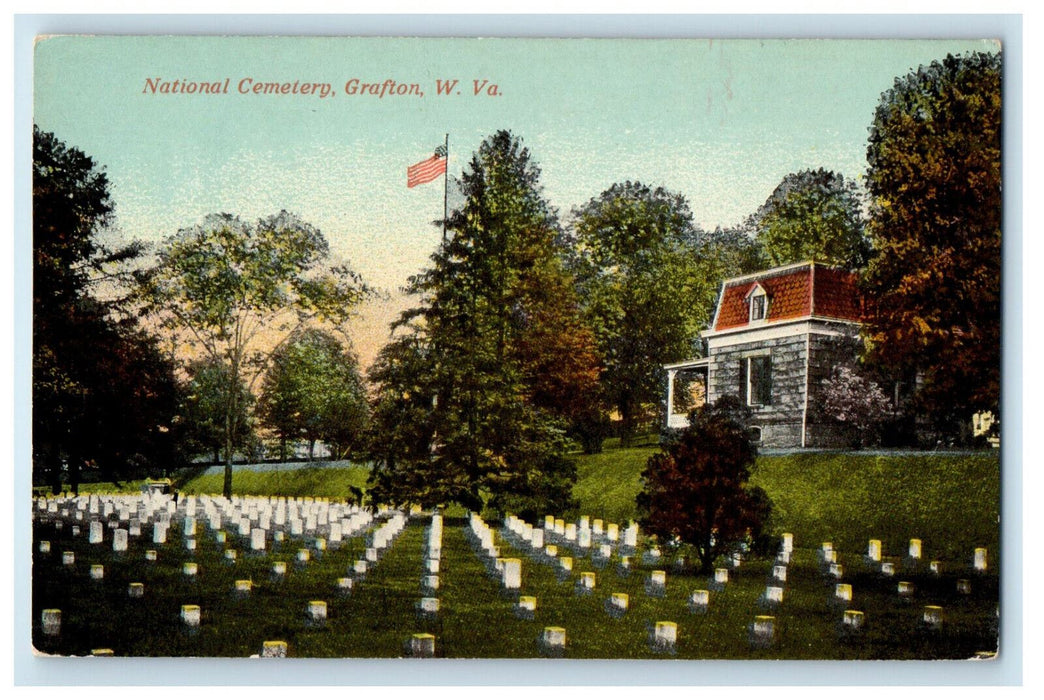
x=949, y=501
x=608, y=482
x=323, y=482
x=477, y=618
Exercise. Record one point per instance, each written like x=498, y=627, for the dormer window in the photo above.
x=758, y=301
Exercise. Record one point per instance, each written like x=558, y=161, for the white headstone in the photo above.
x=433, y=566
x=422, y=645
x=873, y=550
x=699, y=599
x=68, y=558
x=612, y=532
x=317, y=611
x=843, y=591
x=554, y=638
x=97, y=572
x=303, y=555
x=779, y=573
x=190, y=568
x=136, y=590
x=721, y=576
x=774, y=594
x=980, y=559
x=565, y=564
x=45, y=546
x=915, y=549
x=905, y=588
x=587, y=580
x=51, y=621
x=243, y=586
x=279, y=568
x=190, y=615
x=536, y=540
x=273, y=650
x=431, y=583
x=665, y=635
x=159, y=533
x=150, y=555
x=360, y=567
x=764, y=627
x=257, y=539
x=96, y=533
x=788, y=542
x=512, y=574
x=344, y=584
x=933, y=616
x=620, y=601
x=429, y=605
x=853, y=619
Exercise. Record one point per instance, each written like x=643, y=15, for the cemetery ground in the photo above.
x=948, y=502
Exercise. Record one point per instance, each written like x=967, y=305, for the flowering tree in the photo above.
x=856, y=402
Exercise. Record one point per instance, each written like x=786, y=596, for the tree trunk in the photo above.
x=311, y=449
x=74, y=474
x=626, y=423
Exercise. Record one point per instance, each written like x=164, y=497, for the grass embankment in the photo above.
x=950, y=501
x=323, y=482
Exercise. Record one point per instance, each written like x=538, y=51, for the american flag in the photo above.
x=427, y=170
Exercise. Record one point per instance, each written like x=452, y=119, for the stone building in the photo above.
x=775, y=337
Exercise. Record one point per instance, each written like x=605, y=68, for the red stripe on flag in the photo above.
x=425, y=171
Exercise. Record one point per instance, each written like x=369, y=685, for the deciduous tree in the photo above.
x=645, y=292
x=934, y=175
x=696, y=491
x=313, y=390
x=234, y=291
x=103, y=393
x=813, y=215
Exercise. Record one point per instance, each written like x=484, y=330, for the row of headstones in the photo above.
x=256, y=519
x=378, y=541
x=545, y=544
x=432, y=554
x=853, y=621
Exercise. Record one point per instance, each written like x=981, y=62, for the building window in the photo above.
x=758, y=306
x=756, y=380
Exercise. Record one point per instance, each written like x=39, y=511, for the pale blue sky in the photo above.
x=720, y=122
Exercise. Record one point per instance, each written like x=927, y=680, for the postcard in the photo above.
x=516, y=348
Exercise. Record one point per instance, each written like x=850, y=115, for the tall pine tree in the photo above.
x=507, y=361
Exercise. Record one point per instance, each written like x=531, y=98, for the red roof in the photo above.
x=794, y=291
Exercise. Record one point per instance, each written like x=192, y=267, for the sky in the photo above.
x=718, y=121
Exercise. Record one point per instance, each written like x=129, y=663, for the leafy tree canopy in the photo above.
x=934, y=176
x=645, y=287
x=813, y=215
x=234, y=291
x=104, y=395
x=314, y=391
x=696, y=491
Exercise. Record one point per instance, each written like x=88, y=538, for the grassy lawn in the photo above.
x=477, y=618
x=948, y=501
x=323, y=482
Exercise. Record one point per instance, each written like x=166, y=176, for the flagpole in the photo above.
x=445, y=193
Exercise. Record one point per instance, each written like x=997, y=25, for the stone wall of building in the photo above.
x=780, y=422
